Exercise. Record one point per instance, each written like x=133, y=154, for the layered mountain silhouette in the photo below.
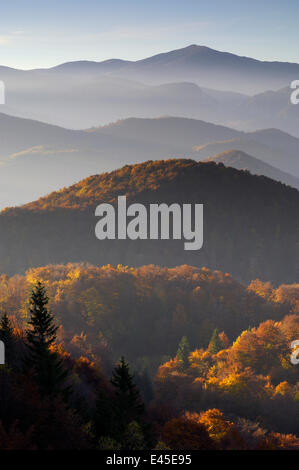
x=268, y=109
x=195, y=81
x=243, y=161
x=198, y=64
x=37, y=158
x=272, y=146
x=245, y=232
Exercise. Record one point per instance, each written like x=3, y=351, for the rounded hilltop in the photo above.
x=172, y=178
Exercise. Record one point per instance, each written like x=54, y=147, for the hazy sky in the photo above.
x=40, y=33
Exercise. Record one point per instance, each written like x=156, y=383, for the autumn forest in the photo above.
x=149, y=230
x=214, y=373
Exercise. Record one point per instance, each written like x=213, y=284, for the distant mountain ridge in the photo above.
x=243, y=161
x=200, y=64
x=37, y=158
x=195, y=81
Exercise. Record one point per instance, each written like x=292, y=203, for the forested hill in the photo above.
x=250, y=222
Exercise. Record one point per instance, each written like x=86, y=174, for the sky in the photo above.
x=38, y=33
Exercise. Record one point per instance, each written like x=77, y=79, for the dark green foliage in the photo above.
x=215, y=344
x=119, y=417
x=43, y=332
x=183, y=352
x=127, y=403
x=48, y=368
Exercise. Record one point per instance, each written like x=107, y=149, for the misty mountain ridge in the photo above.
x=195, y=81
x=37, y=158
x=243, y=161
x=200, y=64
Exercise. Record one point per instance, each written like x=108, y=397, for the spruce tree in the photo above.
x=45, y=363
x=215, y=344
x=127, y=404
x=183, y=352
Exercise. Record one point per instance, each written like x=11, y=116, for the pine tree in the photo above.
x=183, y=352
x=128, y=405
x=41, y=335
x=215, y=344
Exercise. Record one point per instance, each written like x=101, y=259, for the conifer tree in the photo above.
x=41, y=335
x=215, y=344
x=128, y=405
x=183, y=352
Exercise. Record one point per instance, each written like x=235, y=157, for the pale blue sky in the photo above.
x=38, y=33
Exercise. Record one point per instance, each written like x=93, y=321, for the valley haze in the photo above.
x=149, y=227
